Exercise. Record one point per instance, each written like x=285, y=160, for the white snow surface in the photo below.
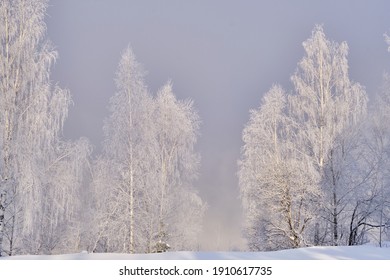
x=363, y=252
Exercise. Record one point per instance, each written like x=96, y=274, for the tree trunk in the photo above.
x=12, y=237
x=131, y=249
x=335, y=220
x=2, y=213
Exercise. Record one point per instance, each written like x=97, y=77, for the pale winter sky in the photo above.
x=222, y=54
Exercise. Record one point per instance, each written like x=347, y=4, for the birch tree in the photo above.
x=127, y=149
x=67, y=198
x=378, y=146
x=32, y=115
x=318, y=132
x=278, y=185
x=177, y=126
x=143, y=178
x=329, y=108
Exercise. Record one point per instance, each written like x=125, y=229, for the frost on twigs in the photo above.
x=143, y=180
x=306, y=175
x=42, y=202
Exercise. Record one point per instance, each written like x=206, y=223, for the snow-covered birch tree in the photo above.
x=32, y=115
x=66, y=199
x=128, y=155
x=378, y=148
x=177, y=126
x=329, y=108
x=142, y=180
x=318, y=132
x=29, y=123
x=278, y=185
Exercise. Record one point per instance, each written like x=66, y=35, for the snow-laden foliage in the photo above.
x=330, y=108
x=307, y=175
x=37, y=170
x=278, y=183
x=378, y=146
x=143, y=179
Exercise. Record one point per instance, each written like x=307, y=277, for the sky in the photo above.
x=222, y=54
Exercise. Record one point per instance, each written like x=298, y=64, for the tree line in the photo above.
x=135, y=197
x=314, y=167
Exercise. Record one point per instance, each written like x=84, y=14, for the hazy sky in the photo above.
x=222, y=54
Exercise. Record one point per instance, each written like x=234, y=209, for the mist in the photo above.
x=223, y=55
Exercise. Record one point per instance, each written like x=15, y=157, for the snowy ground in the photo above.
x=364, y=252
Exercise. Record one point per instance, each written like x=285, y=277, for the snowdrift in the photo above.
x=363, y=252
